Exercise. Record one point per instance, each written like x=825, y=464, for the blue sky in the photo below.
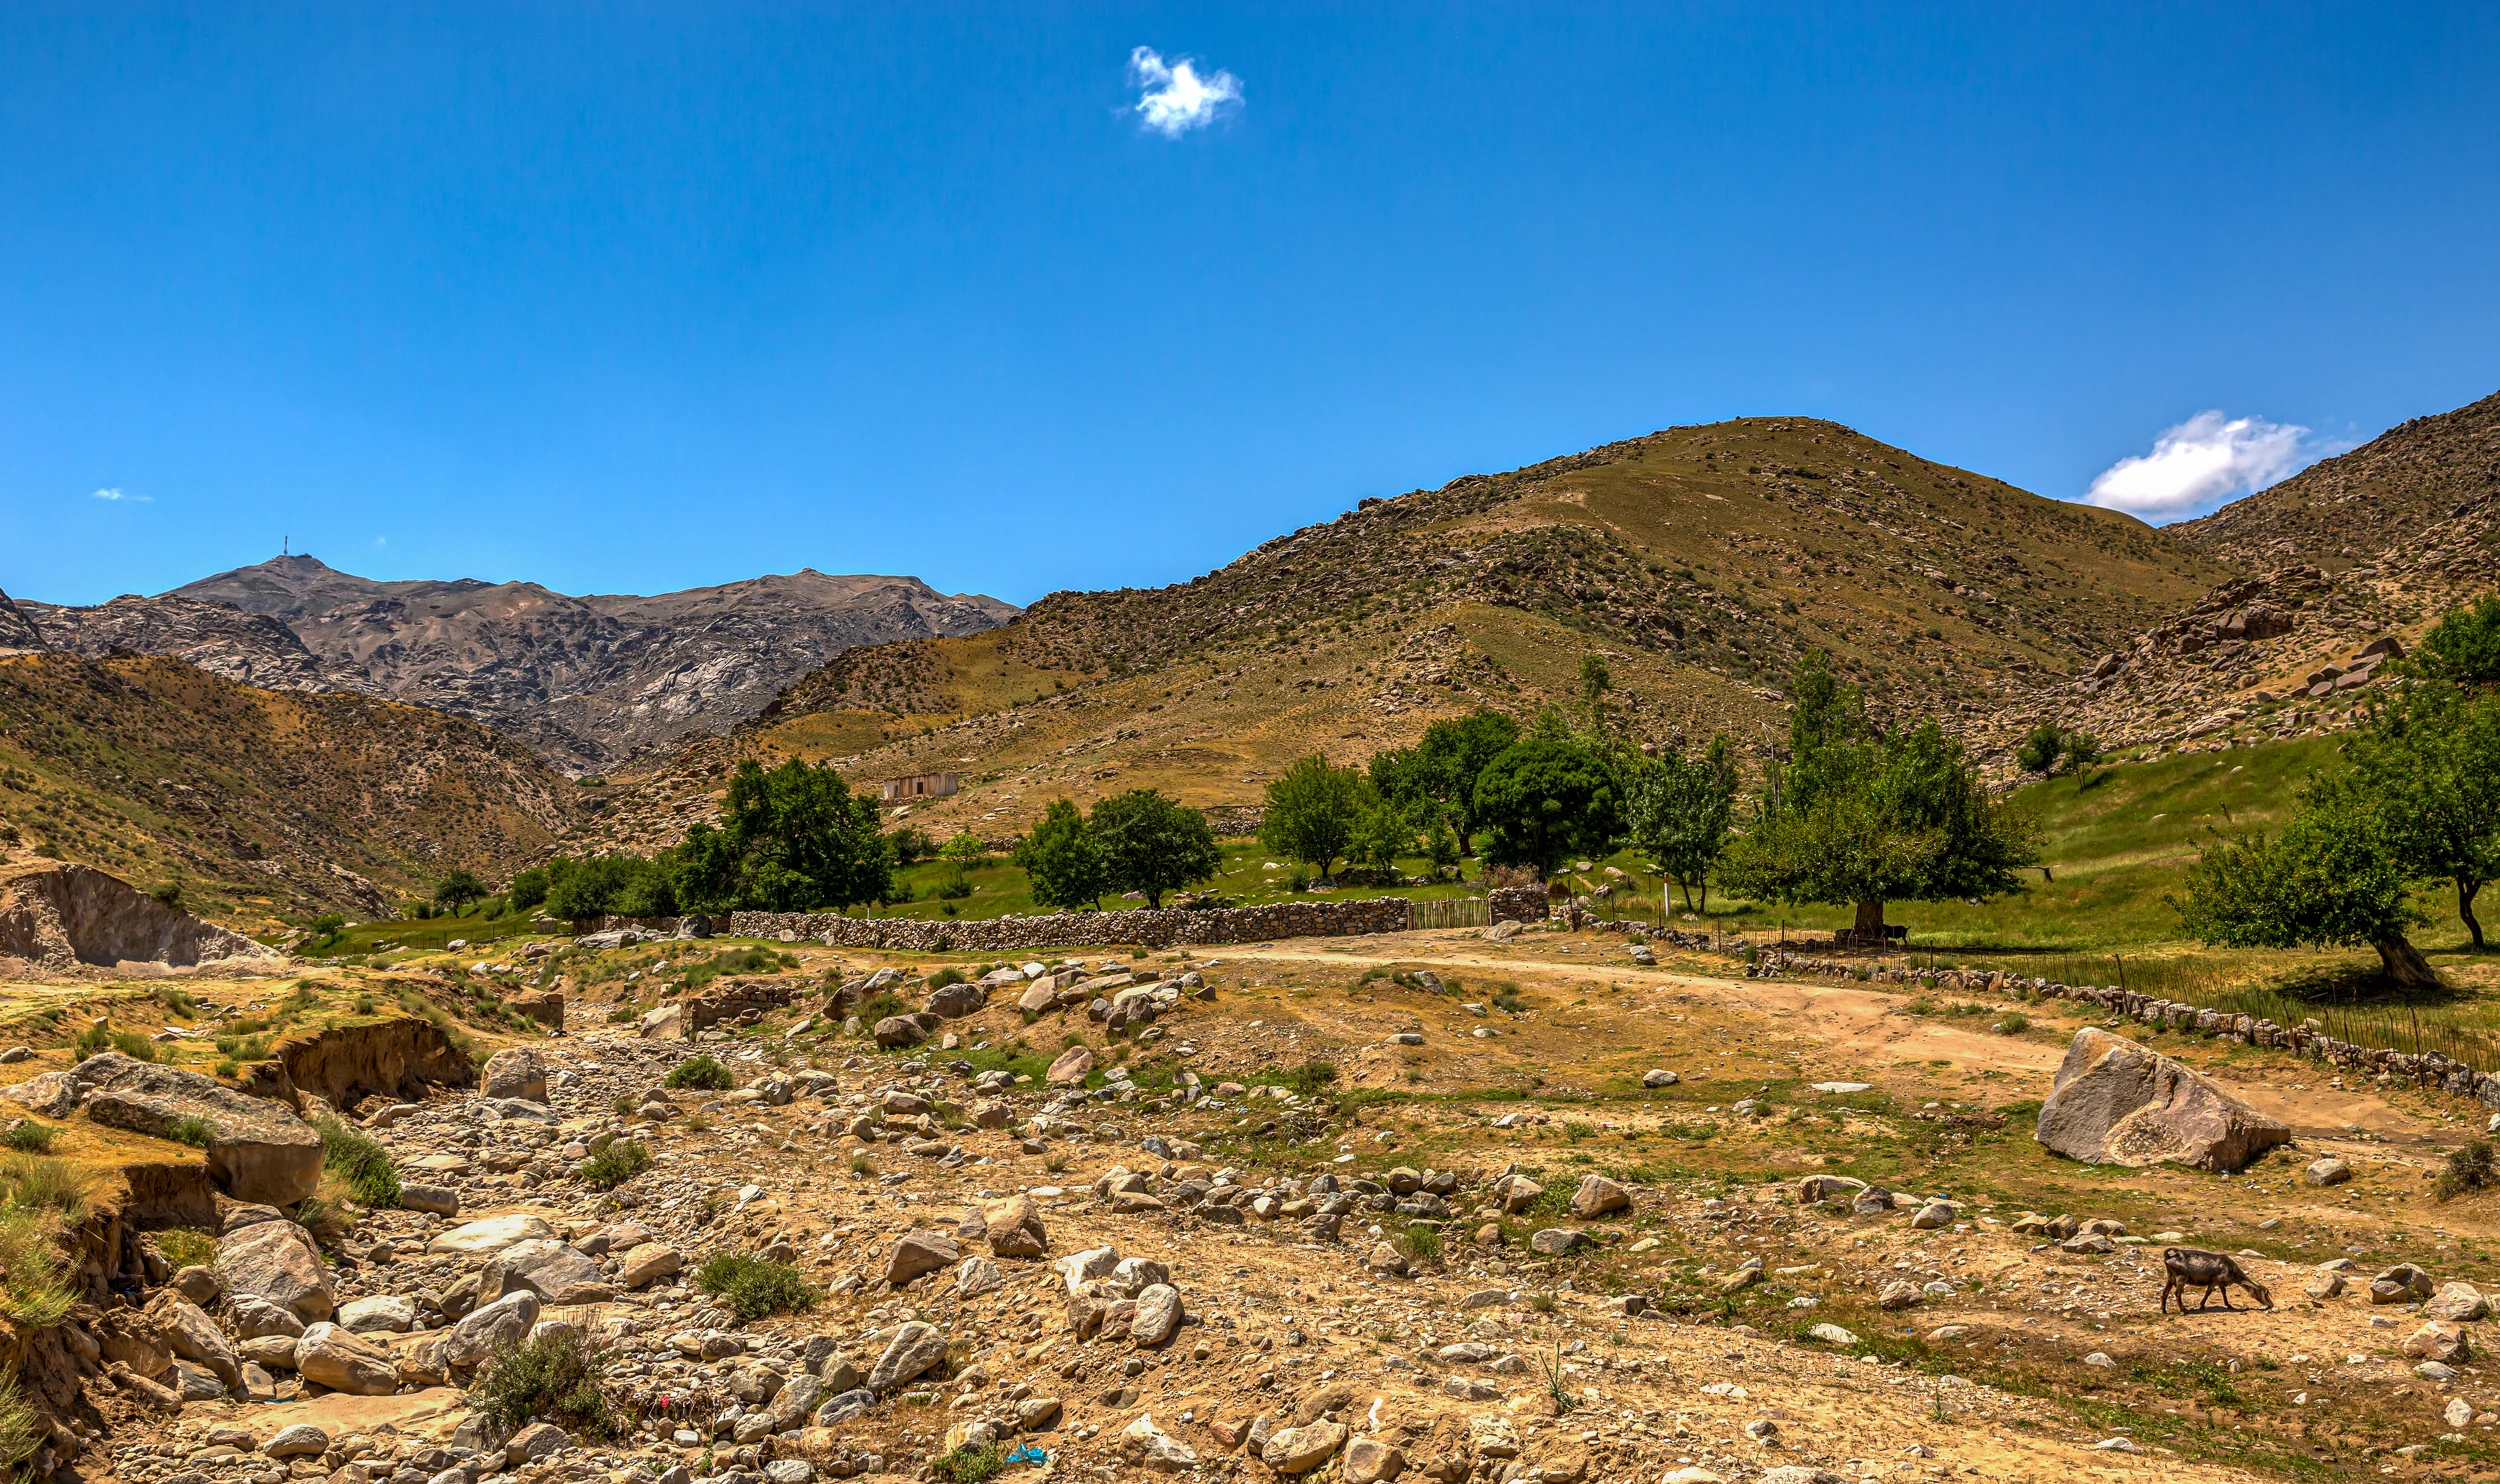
x=628, y=298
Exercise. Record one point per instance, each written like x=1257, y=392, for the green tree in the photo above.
x=1858, y=818
x=804, y=839
x=1312, y=811
x=1062, y=860
x=2429, y=765
x=1545, y=798
x=596, y=885
x=1443, y=767
x=1595, y=681
x=1381, y=835
x=1151, y=844
x=457, y=890
x=2462, y=648
x=2050, y=749
x=967, y=847
x=528, y=889
x=2332, y=878
x=1681, y=811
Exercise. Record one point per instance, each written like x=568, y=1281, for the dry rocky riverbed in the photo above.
x=1493, y=1247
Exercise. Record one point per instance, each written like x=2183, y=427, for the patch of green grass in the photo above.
x=752, y=1287
x=193, y=1130
x=362, y=1162
x=614, y=1165
x=96, y=1040
x=26, y=1136
x=703, y=1072
x=970, y=1465
x=1307, y=1079
x=186, y=1247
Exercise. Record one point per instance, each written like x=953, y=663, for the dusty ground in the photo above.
x=2037, y=1364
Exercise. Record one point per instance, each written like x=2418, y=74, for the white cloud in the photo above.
x=2201, y=463
x=1176, y=98
x=118, y=495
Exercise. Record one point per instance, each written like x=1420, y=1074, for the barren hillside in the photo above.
x=261, y=804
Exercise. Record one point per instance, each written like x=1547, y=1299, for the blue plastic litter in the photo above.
x=1028, y=1455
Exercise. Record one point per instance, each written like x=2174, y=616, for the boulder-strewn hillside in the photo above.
x=1701, y=562
x=2348, y=510
x=262, y=804
x=2369, y=547
x=586, y=681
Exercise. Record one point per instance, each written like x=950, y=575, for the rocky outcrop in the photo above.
x=257, y=1150
x=2116, y=1102
x=18, y=634
x=396, y=1058
x=585, y=681
x=57, y=916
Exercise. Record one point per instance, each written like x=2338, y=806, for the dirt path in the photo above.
x=1858, y=1033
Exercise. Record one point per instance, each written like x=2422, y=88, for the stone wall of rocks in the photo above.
x=1153, y=928
x=2428, y=1068
x=1517, y=904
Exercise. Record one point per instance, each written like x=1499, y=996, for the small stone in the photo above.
x=2327, y=1172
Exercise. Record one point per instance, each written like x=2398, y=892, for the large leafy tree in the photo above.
x=1680, y=813
x=1313, y=810
x=457, y=890
x=1443, y=766
x=1150, y=844
x=803, y=840
x=2332, y=878
x=1062, y=859
x=2429, y=765
x=1857, y=817
x=1381, y=835
x=1546, y=797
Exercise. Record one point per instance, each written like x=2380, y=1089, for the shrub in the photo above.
x=1422, y=1244
x=2470, y=1168
x=360, y=1161
x=703, y=1072
x=187, y=1247
x=556, y=1377
x=880, y=1005
x=616, y=1164
x=29, y=1137
x=193, y=1130
x=970, y=1465
x=325, y=1221
x=96, y=1040
x=753, y=1288
x=1306, y=1079
x=945, y=977
x=168, y=893
x=2014, y=1023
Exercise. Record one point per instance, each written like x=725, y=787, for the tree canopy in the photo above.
x=1545, y=798
x=2332, y=878
x=1442, y=767
x=1859, y=817
x=2463, y=648
x=458, y=889
x=1680, y=813
x=1313, y=810
x=1063, y=861
x=1152, y=845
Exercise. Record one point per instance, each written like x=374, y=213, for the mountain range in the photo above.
x=584, y=681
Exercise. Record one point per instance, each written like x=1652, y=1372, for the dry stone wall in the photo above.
x=1155, y=928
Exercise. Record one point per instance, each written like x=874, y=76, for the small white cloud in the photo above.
x=1175, y=97
x=119, y=495
x=381, y=540
x=2203, y=462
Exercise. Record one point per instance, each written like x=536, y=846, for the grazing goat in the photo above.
x=2187, y=1268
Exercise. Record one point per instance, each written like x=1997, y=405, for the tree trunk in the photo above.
x=2405, y=964
x=2467, y=889
x=1870, y=928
